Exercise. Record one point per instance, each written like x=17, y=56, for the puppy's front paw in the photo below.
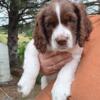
x=25, y=87
x=60, y=92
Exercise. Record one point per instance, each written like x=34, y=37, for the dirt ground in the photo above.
x=8, y=91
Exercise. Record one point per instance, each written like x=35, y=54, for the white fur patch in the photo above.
x=57, y=9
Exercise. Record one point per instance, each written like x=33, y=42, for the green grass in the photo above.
x=3, y=38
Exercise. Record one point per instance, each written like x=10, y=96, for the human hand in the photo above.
x=52, y=62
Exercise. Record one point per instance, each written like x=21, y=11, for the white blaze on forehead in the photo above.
x=57, y=8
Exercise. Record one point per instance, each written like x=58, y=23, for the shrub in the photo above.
x=21, y=49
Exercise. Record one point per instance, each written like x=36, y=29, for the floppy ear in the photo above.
x=84, y=24
x=39, y=34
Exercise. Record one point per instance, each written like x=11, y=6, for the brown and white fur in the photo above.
x=61, y=26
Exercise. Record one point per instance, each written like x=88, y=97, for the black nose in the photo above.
x=62, y=41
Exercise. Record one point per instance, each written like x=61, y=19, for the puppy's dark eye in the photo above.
x=50, y=24
x=69, y=18
x=73, y=20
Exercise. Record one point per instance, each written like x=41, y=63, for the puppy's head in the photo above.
x=61, y=25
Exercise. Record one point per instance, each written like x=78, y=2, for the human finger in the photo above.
x=56, y=59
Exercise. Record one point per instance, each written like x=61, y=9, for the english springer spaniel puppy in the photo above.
x=61, y=25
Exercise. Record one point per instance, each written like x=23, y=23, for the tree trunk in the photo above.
x=13, y=35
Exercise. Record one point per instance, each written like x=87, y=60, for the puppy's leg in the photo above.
x=44, y=82
x=31, y=69
x=62, y=86
x=46, y=79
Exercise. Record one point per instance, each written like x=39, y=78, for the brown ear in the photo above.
x=39, y=34
x=84, y=25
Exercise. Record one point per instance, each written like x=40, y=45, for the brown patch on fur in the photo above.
x=69, y=18
x=84, y=24
x=45, y=23
x=39, y=37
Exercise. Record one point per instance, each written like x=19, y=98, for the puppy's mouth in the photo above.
x=62, y=48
